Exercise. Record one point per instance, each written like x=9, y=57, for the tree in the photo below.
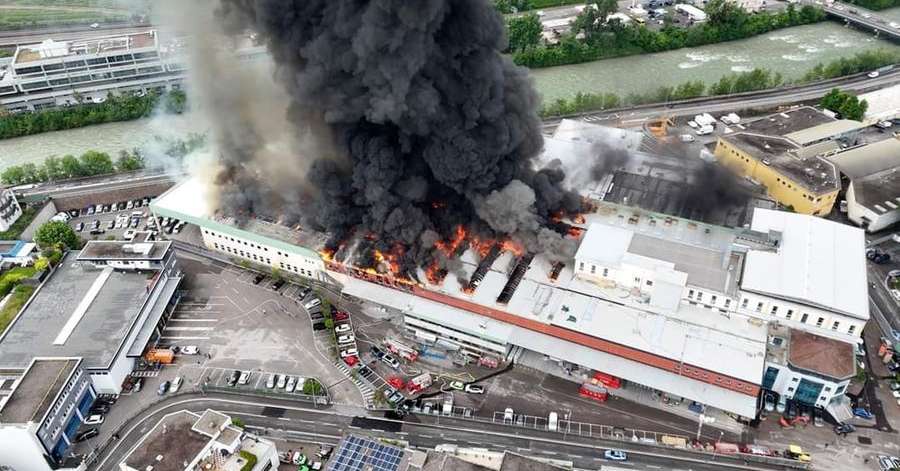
x=13, y=175
x=42, y=263
x=593, y=18
x=53, y=169
x=96, y=163
x=726, y=13
x=71, y=167
x=847, y=105
x=524, y=31
x=129, y=161
x=54, y=233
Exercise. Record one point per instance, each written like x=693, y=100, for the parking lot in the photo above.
x=113, y=221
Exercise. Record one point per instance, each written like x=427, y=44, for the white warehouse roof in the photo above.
x=819, y=263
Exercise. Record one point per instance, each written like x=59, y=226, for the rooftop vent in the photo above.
x=143, y=249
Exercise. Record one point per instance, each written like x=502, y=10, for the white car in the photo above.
x=313, y=303
x=344, y=339
x=291, y=382
x=189, y=350
x=245, y=378
x=873, y=74
x=615, y=455
x=95, y=419
x=457, y=385
x=176, y=383
x=349, y=353
x=282, y=380
x=474, y=389
x=687, y=138
x=340, y=328
x=693, y=124
x=270, y=383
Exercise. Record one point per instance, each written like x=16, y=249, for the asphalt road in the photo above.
x=63, y=33
x=93, y=184
x=281, y=418
x=635, y=116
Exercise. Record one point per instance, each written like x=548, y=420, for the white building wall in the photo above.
x=21, y=450
x=807, y=318
x=454, y=336
x=262, y=254
x=787, y=381
x=861, y=214
x=9, y=209
x=110, y=381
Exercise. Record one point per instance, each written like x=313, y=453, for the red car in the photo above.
x=341, y=315
x=351, y=360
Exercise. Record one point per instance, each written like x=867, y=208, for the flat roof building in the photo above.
x=784, y=152
x=100, y=313
x=9, y=209
x=185, y=441
x=41, y=413
x=873, y=194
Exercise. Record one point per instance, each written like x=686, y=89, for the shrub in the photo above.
x=251, y=460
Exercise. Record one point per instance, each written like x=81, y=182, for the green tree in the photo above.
x=593, y=18
x=129, y=161
x=53, y=168
x=96, y=163
x=524, y=31
x=13, y=175
x=71, y=167
x=54, y=233
x=847, y=105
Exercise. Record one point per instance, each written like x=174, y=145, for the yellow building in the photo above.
x=794, y=176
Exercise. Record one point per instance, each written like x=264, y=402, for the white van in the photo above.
x=508, y=414
x=553, y=422
x=704, y=130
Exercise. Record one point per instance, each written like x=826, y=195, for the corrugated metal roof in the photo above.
x=824, y=131
x=869, y=159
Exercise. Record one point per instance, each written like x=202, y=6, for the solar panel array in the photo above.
x=357, y=454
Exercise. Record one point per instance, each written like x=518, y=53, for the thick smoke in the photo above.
x=430, y=121
x=607, y=159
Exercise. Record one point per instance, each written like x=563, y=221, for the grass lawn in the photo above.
x=12, y=18
x=28, y=214
x=19, y=296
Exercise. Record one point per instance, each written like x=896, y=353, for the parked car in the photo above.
x=163, y=388
x=189, y=350
x=344, y=339
x=312, y=303
x=349, y=352
x=138, y=385
x=79, y=227
x=873, y=74
x=770, y=403
x=844, y=429
x=110, y=225
x=457, y=385
x=341, y=315
x=291, y=382
x=270, y=383
x=245, y=378
x=176, y=383
x=233, y=378
x=376, y=352
x=318, y=325
x=87, y=434
x=474, y=389
x=391, y=361
x=282, y=382
x=615, y=455
x=100, y=408
x=340, y=328
x=508, y=415
x=865, y=414
x=258, y=278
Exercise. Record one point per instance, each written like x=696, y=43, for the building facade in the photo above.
x=9, y=209
x=35, y=432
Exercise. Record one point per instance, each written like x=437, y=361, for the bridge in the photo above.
x=861, y=18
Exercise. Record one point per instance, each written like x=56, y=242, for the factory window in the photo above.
x=727, y=302
x=268, y=260
x=759, y=307
x=794, y=380
x=593, y=269
x=605, y=272
x=820, y=321
x=835, y=325
x=851, y=329
x=580, y=266
x=804, y=317
x=699, y=296
x=637, y=280
x=266, y=249
x=774, y=310
x=827, y=389
x=649, y=283
x=691, y=294
x=789, y=314
x=744, y=303
x=839, y=390
x=713, y=299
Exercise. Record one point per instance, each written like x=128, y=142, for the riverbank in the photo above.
x=791, y=53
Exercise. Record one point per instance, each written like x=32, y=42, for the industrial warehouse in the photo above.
x=675, y=305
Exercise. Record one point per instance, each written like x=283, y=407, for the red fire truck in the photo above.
x=594, y=391
x=609, y=381
x=400, y=349
x=419, y=383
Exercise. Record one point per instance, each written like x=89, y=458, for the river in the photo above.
x=791, y=52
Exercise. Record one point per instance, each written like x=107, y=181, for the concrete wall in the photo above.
x=873, y=221
x=20, y=449
x=779, y=186
x=787, y=381
x=48, y=211
x=802, y=317
x=262, y=254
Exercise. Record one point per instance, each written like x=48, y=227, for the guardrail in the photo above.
x=322, y=400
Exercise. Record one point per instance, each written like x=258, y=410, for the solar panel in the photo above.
x=357, y=453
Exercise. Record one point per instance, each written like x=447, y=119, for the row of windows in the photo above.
x=445, y=327
x=730, y=383
x=789, y=315
x=244, y=242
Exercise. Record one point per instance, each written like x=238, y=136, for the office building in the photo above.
x=99, y=308
x=186, y=441
x=41, y=408
x=785, y=153
x=9, y=209
x=16, y=252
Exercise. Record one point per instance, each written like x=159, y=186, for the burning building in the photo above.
x=668, y=303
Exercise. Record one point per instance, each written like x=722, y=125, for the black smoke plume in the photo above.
x=430, y=119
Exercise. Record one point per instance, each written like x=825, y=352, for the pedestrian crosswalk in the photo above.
x=192, y=320
x=367, y=392
x=145, y=373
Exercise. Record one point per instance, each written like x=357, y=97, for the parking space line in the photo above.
x=166, y=337
x=193, y=320
x=187, y=328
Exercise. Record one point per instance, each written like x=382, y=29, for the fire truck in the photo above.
x=419, y=383
x=609, y=381
x=595, y=391
x=401, y=349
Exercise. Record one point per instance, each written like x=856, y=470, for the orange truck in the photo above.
x=160, y=355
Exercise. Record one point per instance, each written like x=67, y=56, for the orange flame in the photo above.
x=575, y=231
x=449, y=247
x=510, y=245
x=327, y=254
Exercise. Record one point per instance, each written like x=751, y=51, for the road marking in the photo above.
x=193, y=320
x=167, y=337
x=286, y=419
x=187, y=328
